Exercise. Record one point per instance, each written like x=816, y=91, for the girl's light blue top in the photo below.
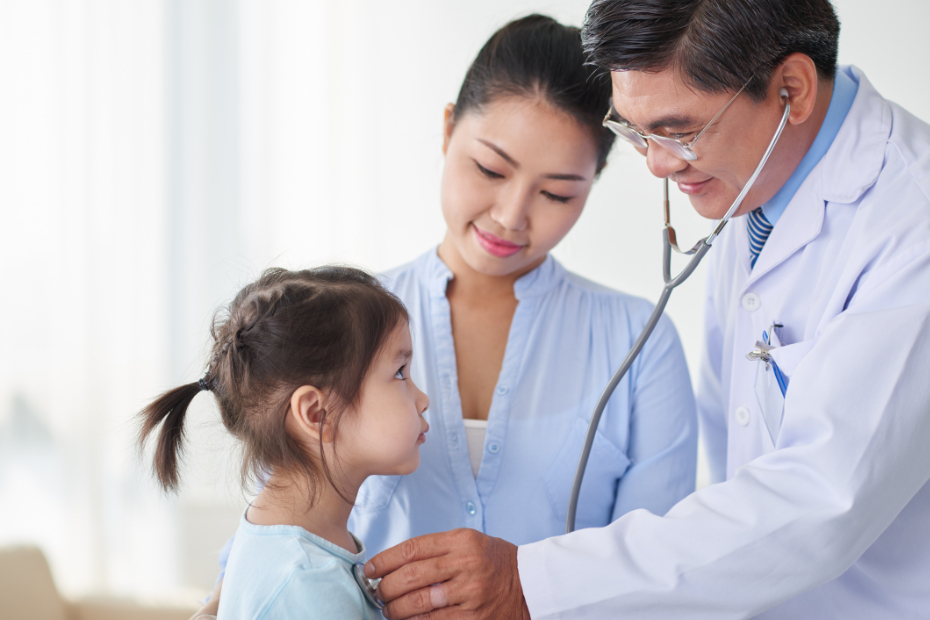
x=284, y=571
x=567, y=337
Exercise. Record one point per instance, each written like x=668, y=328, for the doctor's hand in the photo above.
x=457, y=575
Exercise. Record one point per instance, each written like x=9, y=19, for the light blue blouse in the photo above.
x=567, y=337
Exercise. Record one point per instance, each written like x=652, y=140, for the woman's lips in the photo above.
x=693, y=188
x=500, y=248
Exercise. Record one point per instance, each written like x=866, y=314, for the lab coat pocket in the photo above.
x=375, y=493
x=768, y=392
x=606, y=466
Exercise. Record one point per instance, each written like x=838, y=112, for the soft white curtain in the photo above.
x=157, y=154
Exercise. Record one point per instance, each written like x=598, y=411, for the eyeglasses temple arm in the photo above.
x=752, y=179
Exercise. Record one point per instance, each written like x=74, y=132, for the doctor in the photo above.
x=823, y=509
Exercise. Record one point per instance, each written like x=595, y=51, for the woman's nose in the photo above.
x=510, y=210
x=662, y=162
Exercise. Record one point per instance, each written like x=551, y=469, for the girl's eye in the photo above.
x=556, y=197
x=489, y=173
x=400, y=372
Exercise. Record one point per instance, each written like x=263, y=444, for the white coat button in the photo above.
x=742, y=415
x=494, y=447
x=470, y=508
x=751, y=302
x=502, y=390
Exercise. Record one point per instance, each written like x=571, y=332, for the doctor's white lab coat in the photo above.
x=825, y=508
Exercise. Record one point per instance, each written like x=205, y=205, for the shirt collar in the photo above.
x=538, y=281
x=844, y=93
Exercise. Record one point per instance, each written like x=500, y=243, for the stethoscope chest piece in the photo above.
x=369, y=586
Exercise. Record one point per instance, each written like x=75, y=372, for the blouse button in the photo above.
x=502, y=389
x=470, y=508
x=494, y=447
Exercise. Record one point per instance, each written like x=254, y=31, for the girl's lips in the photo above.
x=693, y=188
x=422, y=436
x=500, y=248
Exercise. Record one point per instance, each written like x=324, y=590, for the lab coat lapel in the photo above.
x=849, y=168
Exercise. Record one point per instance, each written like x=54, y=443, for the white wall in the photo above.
x=156, y=155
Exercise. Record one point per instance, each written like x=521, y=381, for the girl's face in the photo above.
x=383, y=435
x=517, y=176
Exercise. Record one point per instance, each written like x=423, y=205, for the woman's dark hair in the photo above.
x=717, y=45
x=321, y=327
x=534, y=56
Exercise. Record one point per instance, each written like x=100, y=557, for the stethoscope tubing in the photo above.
x=670, y=283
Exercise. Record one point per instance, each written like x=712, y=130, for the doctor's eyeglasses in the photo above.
x=678, y=148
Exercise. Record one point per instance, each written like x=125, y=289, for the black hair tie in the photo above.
x=204, y=383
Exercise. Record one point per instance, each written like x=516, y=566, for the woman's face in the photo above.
x=516, y=178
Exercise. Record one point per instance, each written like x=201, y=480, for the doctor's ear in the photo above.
x=307, y=415
x=448, y=125
x=797, y=75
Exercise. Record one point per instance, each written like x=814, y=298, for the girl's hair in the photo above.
x=538, y=56
x=321, y=327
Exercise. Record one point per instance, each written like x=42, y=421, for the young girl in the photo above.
x=303, y=360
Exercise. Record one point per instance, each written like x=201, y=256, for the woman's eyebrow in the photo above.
x=510, y=160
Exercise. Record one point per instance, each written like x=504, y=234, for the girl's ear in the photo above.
x=308, y=413
x=448, y=124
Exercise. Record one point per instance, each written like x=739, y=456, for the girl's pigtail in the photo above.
x=168, y=410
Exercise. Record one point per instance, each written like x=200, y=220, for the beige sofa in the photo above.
x=27, y=592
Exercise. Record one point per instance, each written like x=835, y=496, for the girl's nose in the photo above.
x=422, y=401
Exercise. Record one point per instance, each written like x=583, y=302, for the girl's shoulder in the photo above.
x=286, y=572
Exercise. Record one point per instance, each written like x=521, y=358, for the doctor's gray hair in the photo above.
x=538, y=56
x=716, y=45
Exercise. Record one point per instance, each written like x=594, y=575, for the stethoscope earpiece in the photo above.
x=783, y=92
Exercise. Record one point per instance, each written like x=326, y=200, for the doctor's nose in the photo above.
x=662, y=162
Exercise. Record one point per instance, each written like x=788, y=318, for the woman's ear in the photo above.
x=308, y=415
x=448, y=124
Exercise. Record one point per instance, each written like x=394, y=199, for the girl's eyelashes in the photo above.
x=400, y=372
x=556, y=197
x=488, y=173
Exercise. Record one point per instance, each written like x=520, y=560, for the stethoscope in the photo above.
x=369, y=586
x=669, y=241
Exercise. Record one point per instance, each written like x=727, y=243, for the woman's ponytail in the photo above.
x=168, y=410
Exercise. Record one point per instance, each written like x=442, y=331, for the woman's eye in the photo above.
x=400, y=372
x=489, y=173
x=556, y=197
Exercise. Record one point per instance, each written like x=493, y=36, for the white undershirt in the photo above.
x=475, y=431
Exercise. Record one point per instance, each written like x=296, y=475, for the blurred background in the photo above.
x=155, y=155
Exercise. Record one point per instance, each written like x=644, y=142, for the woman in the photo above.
x=504, y=334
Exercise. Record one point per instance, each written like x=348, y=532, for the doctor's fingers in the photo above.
x=417, y=577
x=485, y=585
x=421, y=548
